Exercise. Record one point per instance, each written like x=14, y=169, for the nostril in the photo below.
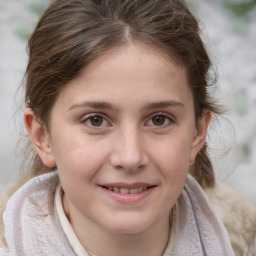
x=129, y=157
x=119, y=167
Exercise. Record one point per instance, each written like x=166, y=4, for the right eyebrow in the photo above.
x=93, y=104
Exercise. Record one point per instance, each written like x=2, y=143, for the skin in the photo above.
x=145, y=132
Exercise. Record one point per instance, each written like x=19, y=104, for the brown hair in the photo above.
x=73, y=33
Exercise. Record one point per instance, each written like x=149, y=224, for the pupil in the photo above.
x=96, y=120
x=158, y=120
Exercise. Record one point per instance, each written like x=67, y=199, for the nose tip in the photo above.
x=129, y=154
x=130, y=163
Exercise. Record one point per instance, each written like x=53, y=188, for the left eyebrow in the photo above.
x=164, y=104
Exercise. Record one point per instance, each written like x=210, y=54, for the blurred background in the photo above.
x=229, y=31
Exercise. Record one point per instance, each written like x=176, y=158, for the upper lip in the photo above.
x=128, y=186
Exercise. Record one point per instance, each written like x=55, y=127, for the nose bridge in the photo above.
x=129, y=152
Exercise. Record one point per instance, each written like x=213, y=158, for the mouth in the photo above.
x=128, y=193
x=125, y=190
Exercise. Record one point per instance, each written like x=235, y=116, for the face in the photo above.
x=122, y=136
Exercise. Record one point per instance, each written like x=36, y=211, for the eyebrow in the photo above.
x=93, y=104
x=106, y=105
x=164, y=104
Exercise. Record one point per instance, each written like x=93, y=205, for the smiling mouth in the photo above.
x=128, y=190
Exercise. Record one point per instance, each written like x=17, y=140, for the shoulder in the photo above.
x=238, y=215
x=22, y=196
x=5, y=193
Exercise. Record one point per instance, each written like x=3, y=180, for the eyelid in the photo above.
x=87, y=117
x=165, y=115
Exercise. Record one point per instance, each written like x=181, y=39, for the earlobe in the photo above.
x=200, y=137
x=40, y=138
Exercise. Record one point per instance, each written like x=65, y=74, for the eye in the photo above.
x=159, y=120
x=95, y=121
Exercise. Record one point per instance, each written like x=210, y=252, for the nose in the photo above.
x=129, y=151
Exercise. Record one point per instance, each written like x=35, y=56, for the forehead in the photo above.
x=148, y=56
x=136, y=72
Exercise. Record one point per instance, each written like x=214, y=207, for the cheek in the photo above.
x=79, y=158
x=173, y=152
x=77, y=168
x=172, y=160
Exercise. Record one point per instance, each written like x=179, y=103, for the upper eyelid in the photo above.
x=161, y=114
x=167, y=116
x=86, y=117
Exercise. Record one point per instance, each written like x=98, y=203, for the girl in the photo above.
x=117, y=110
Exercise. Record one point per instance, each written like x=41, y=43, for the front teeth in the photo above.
x=124, y=190
x=127, y=190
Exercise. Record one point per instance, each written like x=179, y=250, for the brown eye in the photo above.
x=96, y=120
x=158, y=120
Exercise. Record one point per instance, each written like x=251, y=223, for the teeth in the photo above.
x=127, y=190
x=116, y=189
x=124, y=190
x=134, y=190
x=140, y=189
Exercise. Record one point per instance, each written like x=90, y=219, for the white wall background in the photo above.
x=232, y=43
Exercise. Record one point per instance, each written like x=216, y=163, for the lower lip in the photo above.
x=128, y=198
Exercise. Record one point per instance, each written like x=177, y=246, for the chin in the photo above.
x=128, y=225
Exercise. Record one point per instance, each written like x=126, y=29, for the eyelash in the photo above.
x=166, y=118
x=103, y=122
x=89, y=118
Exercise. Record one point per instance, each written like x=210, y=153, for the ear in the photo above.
x=40, y=138
x=200, y=137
